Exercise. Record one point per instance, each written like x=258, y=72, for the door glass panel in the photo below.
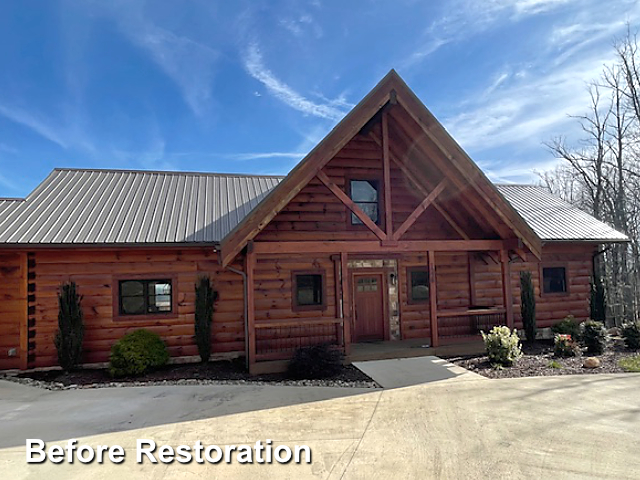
x=367, y=284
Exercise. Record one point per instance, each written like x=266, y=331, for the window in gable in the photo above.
x=365, y=194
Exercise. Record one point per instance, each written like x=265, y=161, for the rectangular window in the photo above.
x=418, y=285
x=554, y=279
x=364, y=193
x=144, y=297
x=308, y=291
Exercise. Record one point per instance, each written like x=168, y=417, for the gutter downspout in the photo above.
x=246, y=311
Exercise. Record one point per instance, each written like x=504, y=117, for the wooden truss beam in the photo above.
x=386, y=168
x=418, y=184
x=372, y=246
x=350, y=204
x=411, y=219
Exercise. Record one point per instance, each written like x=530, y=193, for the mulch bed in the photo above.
x=223, y=372
x=536, y=359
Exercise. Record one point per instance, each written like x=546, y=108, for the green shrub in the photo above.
x=568, y=326
x=564, y=346
x=598, y=301
x=594, y=336
x=137, y=353
x=68, y=339
x=528, y=305
x=631, y=335
x=317, y=361
x=205, y=298
x=503, y=346
x=554, y=364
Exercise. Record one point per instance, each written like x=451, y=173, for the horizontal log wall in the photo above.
x=13, y=307
x=94, y=272
x=550, y=308
x=273, y=286
x=414, y=317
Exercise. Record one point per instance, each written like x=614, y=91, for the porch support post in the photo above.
x=346, y=305
x=433, y=299
x=250, y=264
x=507, y=294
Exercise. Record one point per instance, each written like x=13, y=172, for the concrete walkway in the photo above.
x=566, y=427
x=406, y=372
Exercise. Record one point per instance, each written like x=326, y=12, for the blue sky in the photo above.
x=251, y=86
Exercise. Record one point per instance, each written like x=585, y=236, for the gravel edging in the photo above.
x=57, y=386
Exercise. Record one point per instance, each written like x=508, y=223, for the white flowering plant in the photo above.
x=503, y=346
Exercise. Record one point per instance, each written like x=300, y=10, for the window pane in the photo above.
x=132, y=305
x=419, y=285
x=364, y=191
x=159, y=296
x=138, y=297
x=554, y=280
x=309, y=289
x=131, y=288
x=371, y=209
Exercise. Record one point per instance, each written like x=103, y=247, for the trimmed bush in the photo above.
x=631, y=334
x=503, y=346
x=317, y=361
x=594, y=336
x=568, y=326
x=528, y=306
x=205, y=298
x=136, y=353
x=68, y=339
x=564, y=346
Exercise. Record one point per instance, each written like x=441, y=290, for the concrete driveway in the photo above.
x=555, y=427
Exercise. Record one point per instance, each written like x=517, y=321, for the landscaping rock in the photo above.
x=614, y=331
x=591, y=362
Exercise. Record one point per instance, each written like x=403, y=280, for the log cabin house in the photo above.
x=385, y=231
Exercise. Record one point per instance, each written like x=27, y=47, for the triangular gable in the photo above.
x=390, y=89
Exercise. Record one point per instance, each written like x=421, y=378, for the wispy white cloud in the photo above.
x=301, y=24
x=264, y=155
x=190, y=64
x=254, y=64
x=35, y=122
x=462, y=19
x=528, y=103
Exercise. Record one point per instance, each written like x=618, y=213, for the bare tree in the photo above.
x=601, y=174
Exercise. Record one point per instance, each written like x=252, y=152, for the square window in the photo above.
x=308, y=291
x=142, y=297
x=418, y=285
x=364, y=194
x=554, y=279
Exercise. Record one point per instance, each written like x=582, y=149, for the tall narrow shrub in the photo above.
x=528, y=305
x=68, y=339
x=598, y=301
x=205, y=298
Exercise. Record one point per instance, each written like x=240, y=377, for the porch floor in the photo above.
x=384, y=350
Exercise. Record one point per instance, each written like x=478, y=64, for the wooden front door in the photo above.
x=369, y=307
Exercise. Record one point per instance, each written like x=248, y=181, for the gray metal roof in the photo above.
x=132, y=207
x=554, y=219
x=143, y=207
